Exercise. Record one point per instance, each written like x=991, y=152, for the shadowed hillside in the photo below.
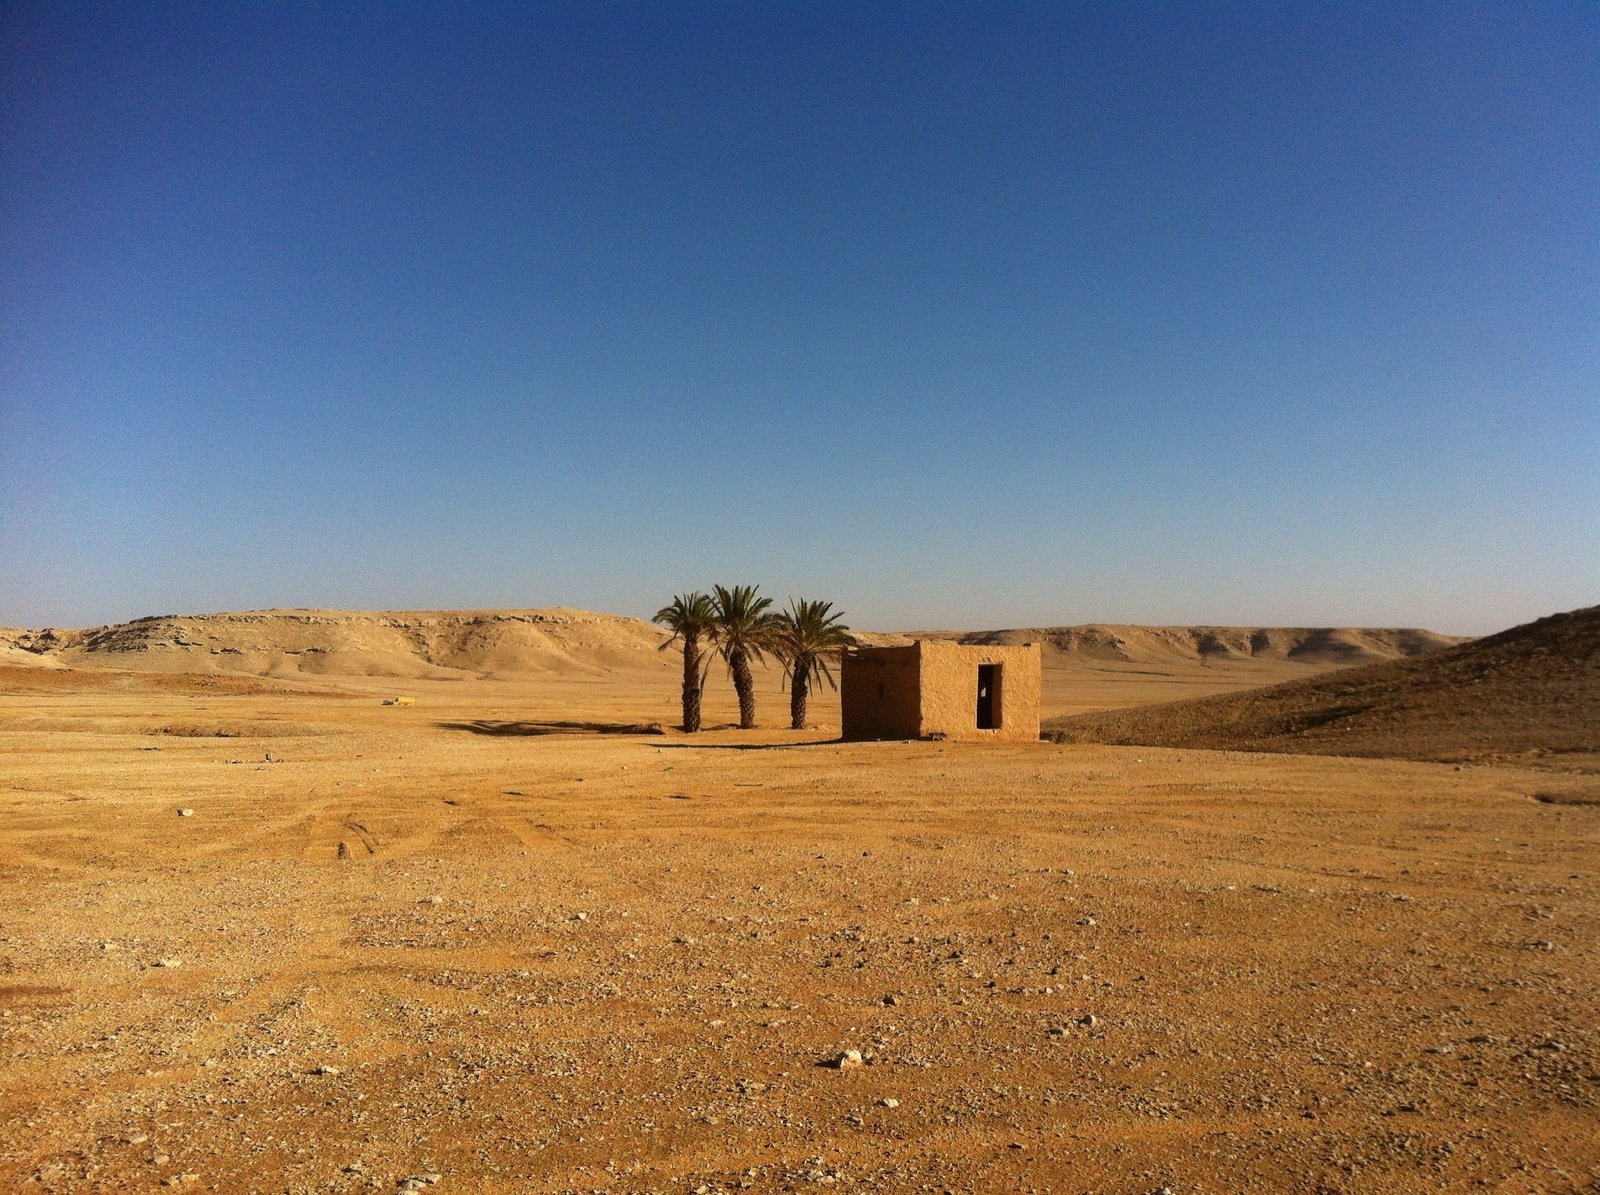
x=1532, y=691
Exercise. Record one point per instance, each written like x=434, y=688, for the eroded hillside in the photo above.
x=1532, y=691
x=436, y=644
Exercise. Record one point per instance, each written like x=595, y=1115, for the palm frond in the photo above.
x=742, y=622
x=807, y=636
x=688, y=616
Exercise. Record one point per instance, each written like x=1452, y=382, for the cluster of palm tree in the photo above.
x=740, y=625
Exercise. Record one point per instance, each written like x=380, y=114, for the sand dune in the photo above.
x=1533, y=690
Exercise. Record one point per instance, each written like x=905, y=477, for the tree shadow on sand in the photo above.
x=683, y=746
x=542, y=727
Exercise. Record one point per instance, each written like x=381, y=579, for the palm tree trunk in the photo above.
x=799, y=690
x=744, y=684
x=691, y=685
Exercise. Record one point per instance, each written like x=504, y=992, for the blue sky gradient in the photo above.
x=959, y=315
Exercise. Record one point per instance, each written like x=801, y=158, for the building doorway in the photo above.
x=989, y=696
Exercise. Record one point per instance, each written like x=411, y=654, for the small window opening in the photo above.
x=988, y=696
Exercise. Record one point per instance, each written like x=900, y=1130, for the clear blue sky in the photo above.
x=960, y=315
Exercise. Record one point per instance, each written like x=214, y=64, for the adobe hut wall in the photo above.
x=878, y=696
x=933, y=688
x=949, y=679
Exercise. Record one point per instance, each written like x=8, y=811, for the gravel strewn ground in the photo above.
x=388, y=953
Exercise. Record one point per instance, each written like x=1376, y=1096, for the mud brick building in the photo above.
x=934, y=689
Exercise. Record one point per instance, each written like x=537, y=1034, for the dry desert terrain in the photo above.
x=263, y=932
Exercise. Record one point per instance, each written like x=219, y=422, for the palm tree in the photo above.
x=690, y=617
x=807, y=636
x=743, y=631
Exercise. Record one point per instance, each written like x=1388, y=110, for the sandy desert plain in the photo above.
x=518, y=937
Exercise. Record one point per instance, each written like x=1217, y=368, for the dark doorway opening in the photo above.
x=988, y=696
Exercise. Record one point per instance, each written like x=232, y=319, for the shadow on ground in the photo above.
x=553, y=727
x=684, y=746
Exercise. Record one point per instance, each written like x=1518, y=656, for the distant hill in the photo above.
x=331, y=643
x=1530, y=691
x=1329, y=647
x=474, y=643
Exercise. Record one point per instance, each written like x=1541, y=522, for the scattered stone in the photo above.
x=168, y=962
x=889, y=1102
x=848, y=1060
x=580, y=916
x=1088, y=1020
x=893, y=1000
x=325, y=1070
x=186, y=813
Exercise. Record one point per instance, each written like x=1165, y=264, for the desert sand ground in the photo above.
x=485, y=941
